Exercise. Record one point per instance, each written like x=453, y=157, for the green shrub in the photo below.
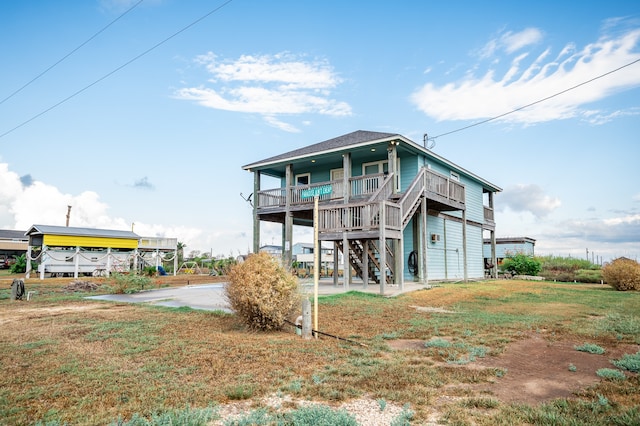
x=588, y=276
x=629, y=362
x=150, y=271
x=622, y=274
x=611, y=374
x=521, y=264
x=262, y=293
x=128, y=283
x=590, y=348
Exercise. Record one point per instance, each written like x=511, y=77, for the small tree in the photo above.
x=522, y=264
x=262, y=292
x=622, y=274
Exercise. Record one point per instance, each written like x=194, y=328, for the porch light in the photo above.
x=313, y=161
x=373, y=149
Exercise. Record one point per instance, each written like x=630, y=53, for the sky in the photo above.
x=140, y=114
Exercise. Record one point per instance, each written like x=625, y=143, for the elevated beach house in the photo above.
x=395, y=209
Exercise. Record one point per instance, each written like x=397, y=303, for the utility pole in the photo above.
x=68, y=215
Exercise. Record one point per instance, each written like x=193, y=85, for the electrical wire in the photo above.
x=69, y=54
x=534, y=103
x=109, y=74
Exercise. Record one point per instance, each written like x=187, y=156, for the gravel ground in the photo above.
x=367, y=411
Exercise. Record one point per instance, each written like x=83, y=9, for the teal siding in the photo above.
x=436, y=269
x=475, y=260
x=409, y=167
x=473, y=200
x=408, y=247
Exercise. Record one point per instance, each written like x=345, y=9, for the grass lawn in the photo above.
x=66, y=359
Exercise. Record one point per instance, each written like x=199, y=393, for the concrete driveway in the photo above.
x=209, y=297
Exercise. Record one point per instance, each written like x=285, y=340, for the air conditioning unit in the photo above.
x=435, y=238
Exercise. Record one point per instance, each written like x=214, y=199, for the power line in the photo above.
x=117, y=69
x=70, y=53
x=536, y=102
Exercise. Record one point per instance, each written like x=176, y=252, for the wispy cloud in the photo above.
x=529, y=198
x=533, y=76
x=143, y=184
x=269, y=85
x=624, y=229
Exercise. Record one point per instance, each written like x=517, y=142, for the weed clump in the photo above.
x=262, y=292
x=622, y=274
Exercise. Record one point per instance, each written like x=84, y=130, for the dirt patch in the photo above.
x=537, y=369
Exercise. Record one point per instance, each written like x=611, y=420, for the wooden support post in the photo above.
x=464, y=245
x=365, y=264
x=256, y=218
x=28, y=270
x=76, y=263
x=306, y=319
x=382, y=249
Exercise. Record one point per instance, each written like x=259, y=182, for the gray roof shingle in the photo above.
x=353, y=138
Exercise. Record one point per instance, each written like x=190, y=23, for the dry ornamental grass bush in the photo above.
x=262, y=292
x=622, y=274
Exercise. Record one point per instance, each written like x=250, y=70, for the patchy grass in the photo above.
x=66, y=359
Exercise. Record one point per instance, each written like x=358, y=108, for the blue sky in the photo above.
x=148, y=126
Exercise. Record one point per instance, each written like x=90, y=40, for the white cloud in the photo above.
x=492, y=94
x=269, y=85
x=528, y=198
x=624, y=229
x=43, y=204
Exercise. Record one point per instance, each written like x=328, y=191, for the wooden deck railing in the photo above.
x=358, y=217
x=373, y=188
x=488, y=214
x=367, y=185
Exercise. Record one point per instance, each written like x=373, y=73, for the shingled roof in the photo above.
x=354, y=138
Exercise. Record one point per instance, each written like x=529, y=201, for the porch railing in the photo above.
x=331, y=190
x=358, y=217
x=372, y=188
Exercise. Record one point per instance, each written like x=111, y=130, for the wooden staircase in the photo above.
x=358, y=249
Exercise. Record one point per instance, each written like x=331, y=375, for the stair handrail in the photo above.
x=385, y=190
x=412, y=194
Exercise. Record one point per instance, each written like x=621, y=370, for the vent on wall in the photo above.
x=435, y=238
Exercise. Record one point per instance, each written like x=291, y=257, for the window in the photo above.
x=337, y=174
x=303, y=179
x=455, y=176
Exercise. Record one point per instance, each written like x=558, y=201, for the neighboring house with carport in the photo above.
x=395, y=209
x=64, y=250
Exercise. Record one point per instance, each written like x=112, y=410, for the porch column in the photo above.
x=256, y=219
x=392, y=155
x=135, y=260
x=175, y=260
x=108, y=261
x=399, y=262
x=28, y=270
x=494, y=259
x=346, y=265
x=464, y=244
x=43, y=261
x=365, y=264
x=287, y=245
x=336, y=264
x=346, y=175
x=77, y=262
x=424, y=258
x=382, y=249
